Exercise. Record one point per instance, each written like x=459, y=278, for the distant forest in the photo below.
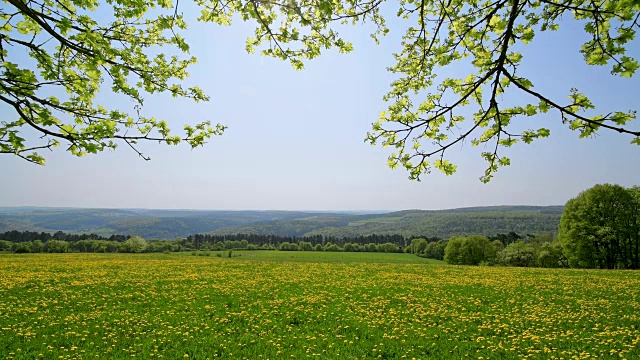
x=200, y=241
x=172, y=224
x=59, y=242
x=24, y=236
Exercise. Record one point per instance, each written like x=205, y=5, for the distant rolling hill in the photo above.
x=442, y=223
x=73, y=220
x=169, y=224
x=150, y=223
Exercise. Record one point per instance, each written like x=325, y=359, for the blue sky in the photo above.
x=295, y=139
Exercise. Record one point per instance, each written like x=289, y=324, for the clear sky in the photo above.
x=295, y=139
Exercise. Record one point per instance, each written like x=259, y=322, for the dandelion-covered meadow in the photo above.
x=76, y=306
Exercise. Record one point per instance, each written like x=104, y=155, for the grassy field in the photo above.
x=81, y=306
x=321, y=256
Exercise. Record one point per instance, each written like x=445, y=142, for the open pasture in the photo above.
x=324, y=256
x=77, y=306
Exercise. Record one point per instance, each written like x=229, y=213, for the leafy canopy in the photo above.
x=485, y=33
x=74, y=51
x=57, y=55
x=600, y=228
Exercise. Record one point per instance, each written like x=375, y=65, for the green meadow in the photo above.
x=276, y=305
x=321, y=256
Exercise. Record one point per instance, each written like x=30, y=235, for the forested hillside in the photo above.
x=169, y=224
x=152, y=224
x=442, y=223
x=295, y=227
x=445, y=225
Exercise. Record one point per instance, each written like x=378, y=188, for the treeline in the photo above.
x=132, y=244
x=431, y=247
x=202, y=241
x=59, y=242
x=509, y=249
x=26, y=236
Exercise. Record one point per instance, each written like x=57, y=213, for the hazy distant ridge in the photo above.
x=168, y=224
x=442, y=223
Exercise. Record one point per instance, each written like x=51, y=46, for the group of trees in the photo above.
x=132, y=244
x=136, y=244
x=547, y=254
x=200, y=241
x=470, y=250
x=427, y=247
x=24, y=236
x=24, y=242
x=346, y=247
x=510, y=249
x=600, y=228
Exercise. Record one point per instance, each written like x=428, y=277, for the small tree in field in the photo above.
x=135, y=244
x=417, y=246
x=435, y=250
x=332, y=247
x=518, y=253
x=5, y=245
x=471, y=250
x=351, y=247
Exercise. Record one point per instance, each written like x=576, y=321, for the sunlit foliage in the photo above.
x=138, y=48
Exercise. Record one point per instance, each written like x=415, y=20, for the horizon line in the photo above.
x=265, y=210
